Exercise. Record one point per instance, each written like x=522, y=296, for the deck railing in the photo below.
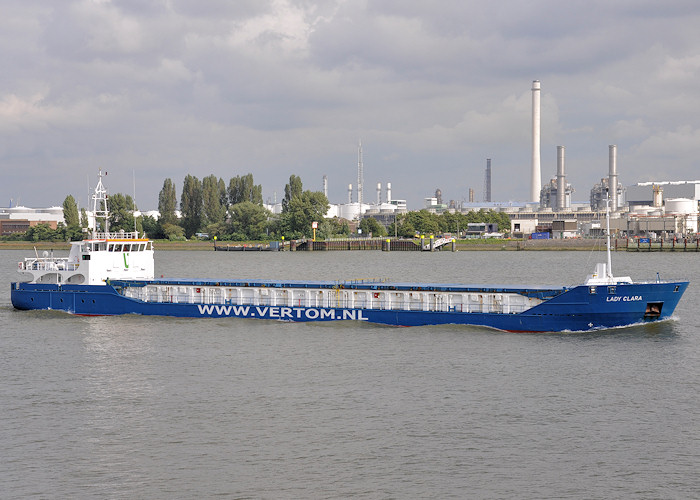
x=47, y=264
x=117, y=236
x=204, y=296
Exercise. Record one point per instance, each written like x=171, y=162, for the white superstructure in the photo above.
x=115, y=255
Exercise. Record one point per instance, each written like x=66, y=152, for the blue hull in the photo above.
x=579, y=308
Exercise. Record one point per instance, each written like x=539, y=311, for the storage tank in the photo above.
x=681, y=206
x=350, y=211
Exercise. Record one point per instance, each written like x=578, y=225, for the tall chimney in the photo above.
x=536, y=178
x=349, y=194
x=561, y=179
x=612, y=176
x=379, y=193
x=325, y=186
x=487, y=181
x=388, y=192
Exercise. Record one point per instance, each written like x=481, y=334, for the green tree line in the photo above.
x=234, y=211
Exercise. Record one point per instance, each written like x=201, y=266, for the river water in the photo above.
x=151, y=407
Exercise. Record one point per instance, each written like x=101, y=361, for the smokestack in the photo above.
x=612, y=176
x=471, y=195
x=487, y=181
x=388, y=192
x=561, y=179
x=325, y=186
x=379, y=193
x=658, y=196
x=536, y=179
x=349, y=194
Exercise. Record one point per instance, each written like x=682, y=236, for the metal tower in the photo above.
x=360, y=176
x=99, y=205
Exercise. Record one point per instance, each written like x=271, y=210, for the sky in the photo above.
x=149, y=90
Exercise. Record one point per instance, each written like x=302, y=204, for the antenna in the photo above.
x=360, y=176
x=607, y=230
x=133, y=176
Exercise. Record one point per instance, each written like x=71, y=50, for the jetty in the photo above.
x=661, y=245
x=384, y=244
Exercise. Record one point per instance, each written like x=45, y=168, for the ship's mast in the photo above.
x=607, y=230
x=99, y=205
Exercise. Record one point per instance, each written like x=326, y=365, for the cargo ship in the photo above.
x=112, y=273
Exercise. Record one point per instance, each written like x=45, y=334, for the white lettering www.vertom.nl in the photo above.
x=291, y=313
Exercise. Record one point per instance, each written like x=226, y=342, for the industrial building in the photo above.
x=15, y=220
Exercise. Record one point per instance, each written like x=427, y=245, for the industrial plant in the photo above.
x=660, y=209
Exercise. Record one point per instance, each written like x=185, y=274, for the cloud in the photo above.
x=282, y=87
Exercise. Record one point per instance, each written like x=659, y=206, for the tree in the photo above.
x=70, y=212
x=402, y=227
x=167, y=203
x=370, y=225
x=249, y=221
x=301, y=211
x=151, y=227
x=336, y=226
x=191, y=205
x=291, y=190
x=43, y=232
x=83, y=218
x=214, y=212
x=223, y=196
x=121, y=213
x=173, y=232
x=242, y=189
x=424, y=221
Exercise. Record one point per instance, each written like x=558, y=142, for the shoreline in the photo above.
x=462, y=245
